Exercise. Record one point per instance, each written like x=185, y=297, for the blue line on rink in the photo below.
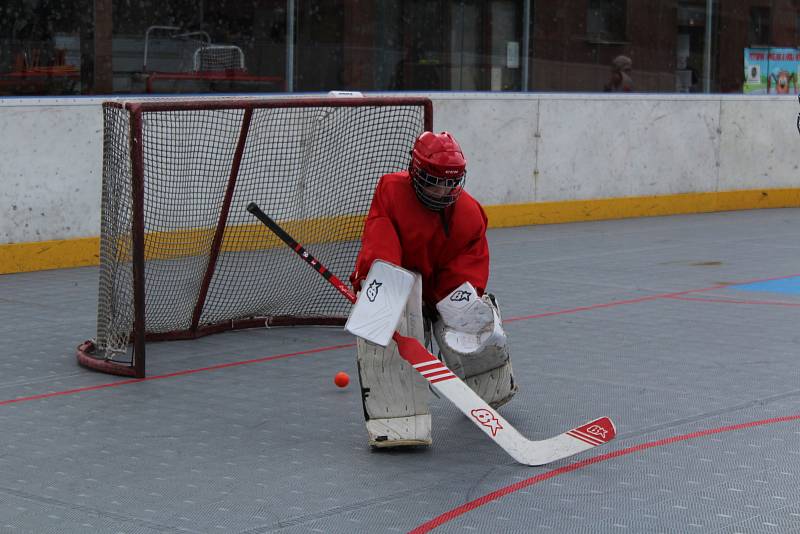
x=784, y=285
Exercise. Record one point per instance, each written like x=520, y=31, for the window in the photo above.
x=759, y=30
x=607, y=20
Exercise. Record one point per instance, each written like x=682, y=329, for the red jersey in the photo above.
x=447, y=248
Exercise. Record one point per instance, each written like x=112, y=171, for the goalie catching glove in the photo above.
x=472, y=342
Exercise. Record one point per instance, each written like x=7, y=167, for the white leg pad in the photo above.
x=495, y=387
x=400, y=431
x=394, y=394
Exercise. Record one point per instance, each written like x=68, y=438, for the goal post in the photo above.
x=180, y=257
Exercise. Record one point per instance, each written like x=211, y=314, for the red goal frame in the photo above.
x=86, y=352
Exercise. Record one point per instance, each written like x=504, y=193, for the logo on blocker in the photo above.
x=460, y=295
x=372, y=290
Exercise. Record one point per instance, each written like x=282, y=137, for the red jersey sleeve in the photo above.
x=380, y=239
x=471, y=263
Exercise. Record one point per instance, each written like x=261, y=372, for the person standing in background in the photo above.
x=620, y=80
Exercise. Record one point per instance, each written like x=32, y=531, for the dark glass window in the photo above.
x=759, y=29
x=607, y=20
x=67, y=47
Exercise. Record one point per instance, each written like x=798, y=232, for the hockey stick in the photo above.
x=445, y=382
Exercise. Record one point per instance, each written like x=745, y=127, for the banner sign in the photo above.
x=771, y=71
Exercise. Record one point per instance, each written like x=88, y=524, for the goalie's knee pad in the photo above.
x=394, y=394
x=472, y=342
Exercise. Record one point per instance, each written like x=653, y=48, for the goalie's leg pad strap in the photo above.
x=395, y=395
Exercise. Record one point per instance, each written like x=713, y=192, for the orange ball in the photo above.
x=341, y=379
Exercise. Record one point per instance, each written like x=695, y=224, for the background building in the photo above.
x=116, y=46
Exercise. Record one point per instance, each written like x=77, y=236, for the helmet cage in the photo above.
x=436, y=192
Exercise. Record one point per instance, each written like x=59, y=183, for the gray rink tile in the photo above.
x=275, y=447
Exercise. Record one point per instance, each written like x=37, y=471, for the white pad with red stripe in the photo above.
x=382, y=300
x=395, y=396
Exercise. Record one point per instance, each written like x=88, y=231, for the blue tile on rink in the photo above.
x=784, y=285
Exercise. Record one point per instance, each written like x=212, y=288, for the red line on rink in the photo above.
x=612, y=304
x=335, y=347
x=502, y=492
x=171, y=375
x=674, y=295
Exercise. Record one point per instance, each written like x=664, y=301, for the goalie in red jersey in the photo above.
x=423, y=220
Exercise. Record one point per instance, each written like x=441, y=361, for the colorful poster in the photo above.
x=756, y=70
x=782, y=79
x=771, y=71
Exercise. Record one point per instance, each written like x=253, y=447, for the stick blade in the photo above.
x=595, y=432
x=582, y=438
x=579, y=439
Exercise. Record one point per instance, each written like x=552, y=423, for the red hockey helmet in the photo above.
x=437, y=169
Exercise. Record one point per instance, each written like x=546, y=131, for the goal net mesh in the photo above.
x=218, y=57
x=312, y=168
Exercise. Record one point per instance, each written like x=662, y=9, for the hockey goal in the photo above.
x=218, y=57
x=180, y=257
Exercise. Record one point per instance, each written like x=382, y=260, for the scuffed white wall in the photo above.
x=498, y=137
x=519, y=147
x=760, y=145
x=547, y=147
x=611, y=148
x=50, y=168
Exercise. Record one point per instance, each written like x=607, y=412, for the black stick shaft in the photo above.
x=302, y=252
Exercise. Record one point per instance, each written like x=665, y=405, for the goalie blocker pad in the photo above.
x=381, y=302
x=473, y=344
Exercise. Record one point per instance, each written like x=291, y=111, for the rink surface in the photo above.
x=685, y=330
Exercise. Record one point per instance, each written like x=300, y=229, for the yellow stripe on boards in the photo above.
x=42, y=255
x=81, y=252
x=249, y=237
x=36, y=256
x=506, y=215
